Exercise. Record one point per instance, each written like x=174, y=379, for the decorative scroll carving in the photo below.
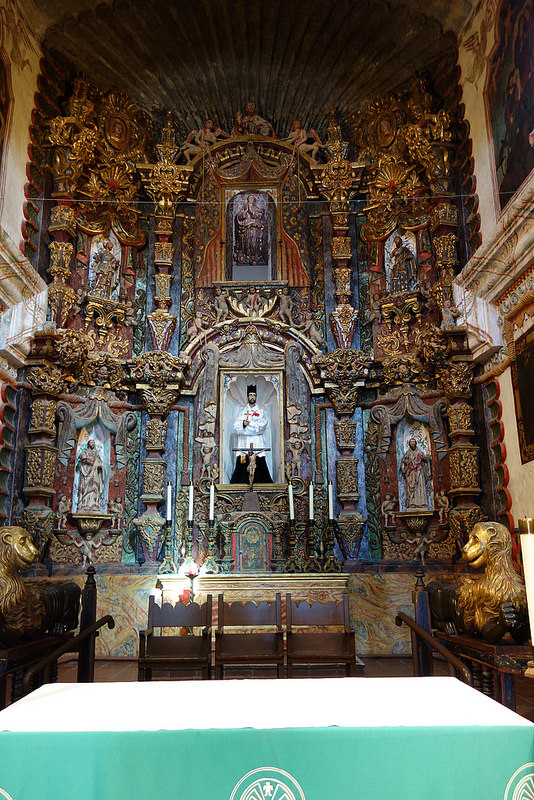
x=347, y=477
x=43, y=416
x=460, y=418
x=156, y=433
x=40, y=468
x=345, y=431
x=103, y=370
x=154, y=478
x=463, y=464
x=48, y=379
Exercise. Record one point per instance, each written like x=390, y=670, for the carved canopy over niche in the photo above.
x=256, y=188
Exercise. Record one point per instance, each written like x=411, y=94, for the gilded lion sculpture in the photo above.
x=489, y=606
x=29, y=609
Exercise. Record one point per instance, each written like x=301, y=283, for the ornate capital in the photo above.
x=343, y=321
x=158, y=401
x=47, y=379
x=344, y=373
x=456, y=378
x=158, y=369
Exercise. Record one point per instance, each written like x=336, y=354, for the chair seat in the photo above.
x=320, y=647
x=248, y=648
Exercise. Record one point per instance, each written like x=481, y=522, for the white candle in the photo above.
x=212, y=502
x=310, y=500
x=527, y=549
x=330, y=501
x=190, y=513
x=291, y=504
x=169, y=501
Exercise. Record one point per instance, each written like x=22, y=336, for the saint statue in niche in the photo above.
x=91, y=478
x=251, y=232
x=104, y=270
x=416, y=469
x=404, y=277
x=250, y=426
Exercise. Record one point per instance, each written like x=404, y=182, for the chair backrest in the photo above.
x=318, y=614
x=179, y=615
x=250, y=615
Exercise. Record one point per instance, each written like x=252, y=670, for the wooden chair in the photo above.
x=323, y=635
x=250, y=647
x=171, y=652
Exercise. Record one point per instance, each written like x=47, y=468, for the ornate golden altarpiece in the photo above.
x=321, y=275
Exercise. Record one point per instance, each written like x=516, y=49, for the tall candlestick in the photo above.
x=212, y=502
x=526, y=529
x=310, y=501
x=190, y=514
x=330, y=501
x=169, y=501
x=291, y=504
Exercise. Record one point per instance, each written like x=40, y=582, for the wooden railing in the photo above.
x=83, y=644
x=424, y=644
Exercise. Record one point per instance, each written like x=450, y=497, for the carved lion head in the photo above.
x=17, y=550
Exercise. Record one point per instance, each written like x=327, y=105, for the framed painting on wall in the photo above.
x=523, y=385
x=509, y=97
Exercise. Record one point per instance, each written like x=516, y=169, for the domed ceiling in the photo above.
x=207, y=58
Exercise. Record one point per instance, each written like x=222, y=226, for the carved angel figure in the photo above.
x=201, y=139
x=300, y=138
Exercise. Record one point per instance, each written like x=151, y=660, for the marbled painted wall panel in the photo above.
x=375, y=599
x=374, y=602
x=125, y=597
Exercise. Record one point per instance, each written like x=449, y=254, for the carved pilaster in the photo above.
x=456, y=380
x=157, y=377
x=166, y=183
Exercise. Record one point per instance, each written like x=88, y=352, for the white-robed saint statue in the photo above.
x=250, y=425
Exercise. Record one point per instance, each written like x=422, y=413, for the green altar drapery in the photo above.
x=431, y=762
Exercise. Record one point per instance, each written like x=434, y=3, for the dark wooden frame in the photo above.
x=249, y=647
x=169, y=652
x=323, y=635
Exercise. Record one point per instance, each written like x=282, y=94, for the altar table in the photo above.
x=308, y=739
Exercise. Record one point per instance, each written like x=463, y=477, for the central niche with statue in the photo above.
x=252, y=431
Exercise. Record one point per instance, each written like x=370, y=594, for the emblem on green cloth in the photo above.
x=3, y=793
x=267, y=783
x=521, y=784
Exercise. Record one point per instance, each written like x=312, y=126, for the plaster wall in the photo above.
x=505, y=257
x=20, y=52
x=521, y=475
x=476, y=41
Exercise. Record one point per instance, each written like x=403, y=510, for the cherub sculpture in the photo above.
x=201, y=140
x=300, y=138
